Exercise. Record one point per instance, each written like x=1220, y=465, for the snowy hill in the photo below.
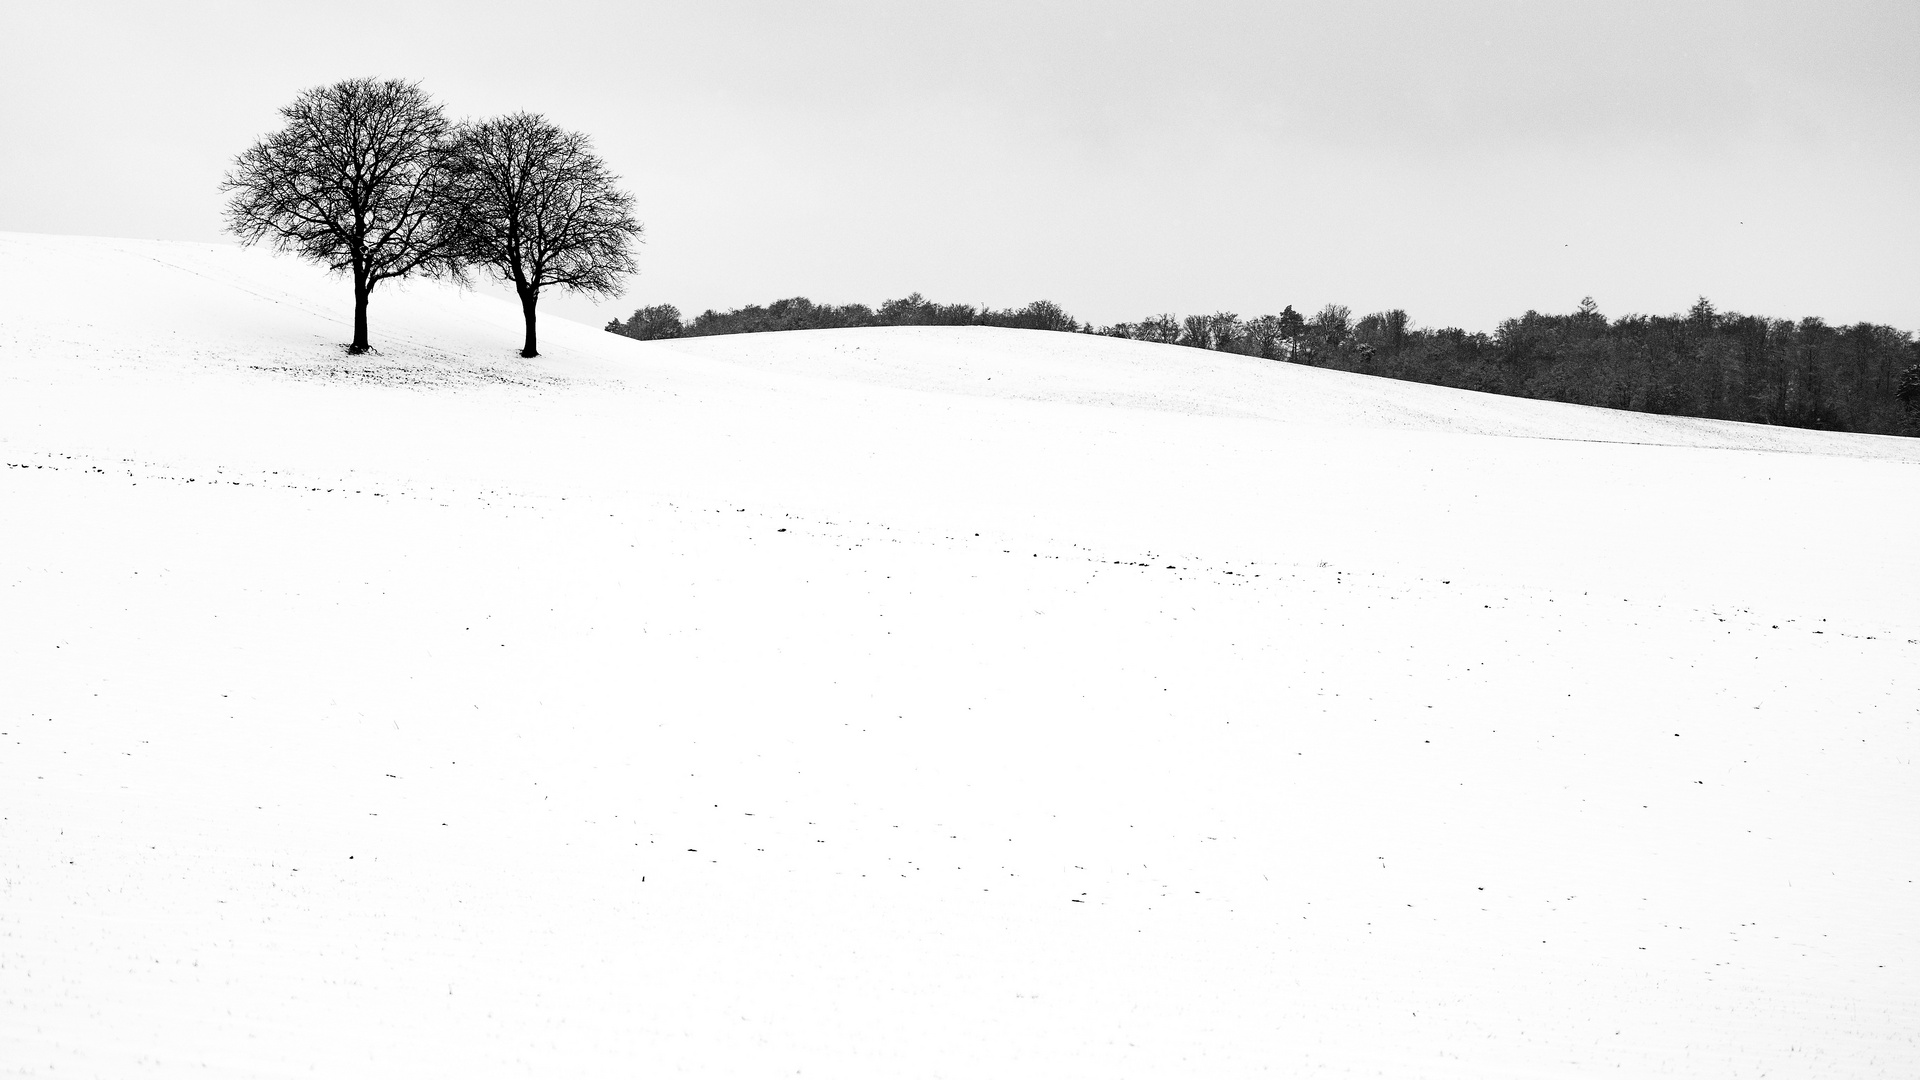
x=916, y=702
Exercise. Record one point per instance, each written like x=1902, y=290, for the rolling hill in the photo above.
x=917, y=702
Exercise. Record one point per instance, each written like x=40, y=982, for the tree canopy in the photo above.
x=536, y=206
x=355, y=181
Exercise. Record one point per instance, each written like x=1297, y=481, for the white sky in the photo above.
x=1464, y=161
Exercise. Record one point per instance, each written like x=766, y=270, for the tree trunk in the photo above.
x=529, y=296
x=361, y=288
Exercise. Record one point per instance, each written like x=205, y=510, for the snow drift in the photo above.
x=916, y=702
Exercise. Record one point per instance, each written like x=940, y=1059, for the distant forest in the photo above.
x=1705, y=362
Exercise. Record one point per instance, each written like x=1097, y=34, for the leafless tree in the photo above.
x=354, y=181
x=534, y=204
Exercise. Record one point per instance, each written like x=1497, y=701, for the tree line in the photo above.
x=800, y=313
x=1703, y=362
x=370, y=179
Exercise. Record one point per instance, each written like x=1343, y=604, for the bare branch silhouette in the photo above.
x=354, y=181
x=538, y=207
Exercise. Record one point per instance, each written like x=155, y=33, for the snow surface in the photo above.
x=917, y=703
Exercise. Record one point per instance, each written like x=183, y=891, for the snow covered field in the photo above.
x=917, y=703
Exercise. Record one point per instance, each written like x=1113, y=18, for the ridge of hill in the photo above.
x=131, y=293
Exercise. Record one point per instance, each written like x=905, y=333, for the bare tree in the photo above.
x=354, y=181
x=537, y=206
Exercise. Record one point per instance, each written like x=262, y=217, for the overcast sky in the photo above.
x=1463, y=161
